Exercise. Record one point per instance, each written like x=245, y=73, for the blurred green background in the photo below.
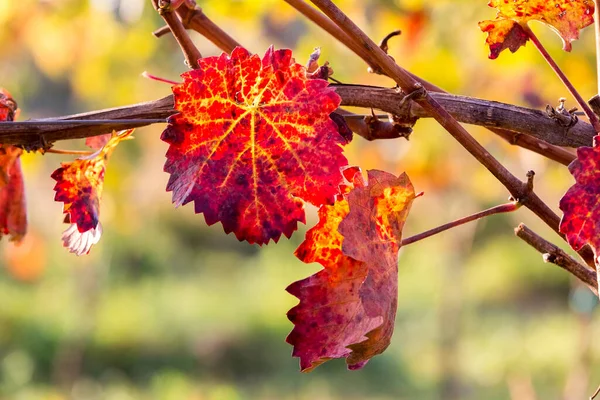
x=165, y=307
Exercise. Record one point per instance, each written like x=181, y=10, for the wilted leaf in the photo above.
x=581, y=204
x=251, y=141
x=13, y=211
x=565, y=17
x=348, y=308
x=79, y=186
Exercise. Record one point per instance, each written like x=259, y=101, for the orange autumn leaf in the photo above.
x=252, y=141
x=79, y=186
x=13, y=211
x=347, y=310
x=565, y=17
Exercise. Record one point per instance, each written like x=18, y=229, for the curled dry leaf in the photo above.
x=565, y=17
x=581, y=204
x=79, y=186
x=347, y=310
x=252, y=141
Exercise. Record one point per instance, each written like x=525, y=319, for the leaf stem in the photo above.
x=501, y=209
x=148, y=75
x=561, y=75
x=70, y=152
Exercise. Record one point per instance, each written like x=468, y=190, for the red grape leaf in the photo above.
x=252, y=140
x=348, y=308
x=581, y=203
x=565, y=17
x=79, y=186
x=13, y=211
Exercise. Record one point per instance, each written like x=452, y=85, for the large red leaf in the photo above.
x=79, y=186
x=565, y=17
x=13, y=212
x=348, y=308
x=251, y=141
x=581, y=204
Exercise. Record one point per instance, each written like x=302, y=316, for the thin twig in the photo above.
x=596, y=393
x=533, y=144
x=69, y=152
x=555, y=255
x=501, y=209
x=409, y=85
x=321, y=20
x=190, y=51
x=584, y=106
x=196, y=20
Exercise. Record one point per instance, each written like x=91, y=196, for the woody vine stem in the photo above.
x=417, y=99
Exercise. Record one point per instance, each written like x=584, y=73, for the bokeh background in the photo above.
x=165, y=307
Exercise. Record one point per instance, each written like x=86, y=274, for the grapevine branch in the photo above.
x=527, y=142
x=525, y=122
x=190, y=51
x=515, y=186
x=555, y=255
x=196, y=20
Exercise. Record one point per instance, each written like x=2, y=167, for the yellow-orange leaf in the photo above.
x=565, y=17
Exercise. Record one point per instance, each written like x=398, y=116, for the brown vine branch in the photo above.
x=190, y=51
x=473, y=111
x=529, y=143
x=561, y=75
x=501, y=209
x=555, y=255
x=410, y=86
x=523, y=121
x=196, y=20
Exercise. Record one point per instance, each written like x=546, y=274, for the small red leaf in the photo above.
x=251, y=141
x=348, y=308
x=565, y=17
x=79, y=186
x=581, y=204
x=13, y=211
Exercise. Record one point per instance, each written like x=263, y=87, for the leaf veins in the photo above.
x=253, y=139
